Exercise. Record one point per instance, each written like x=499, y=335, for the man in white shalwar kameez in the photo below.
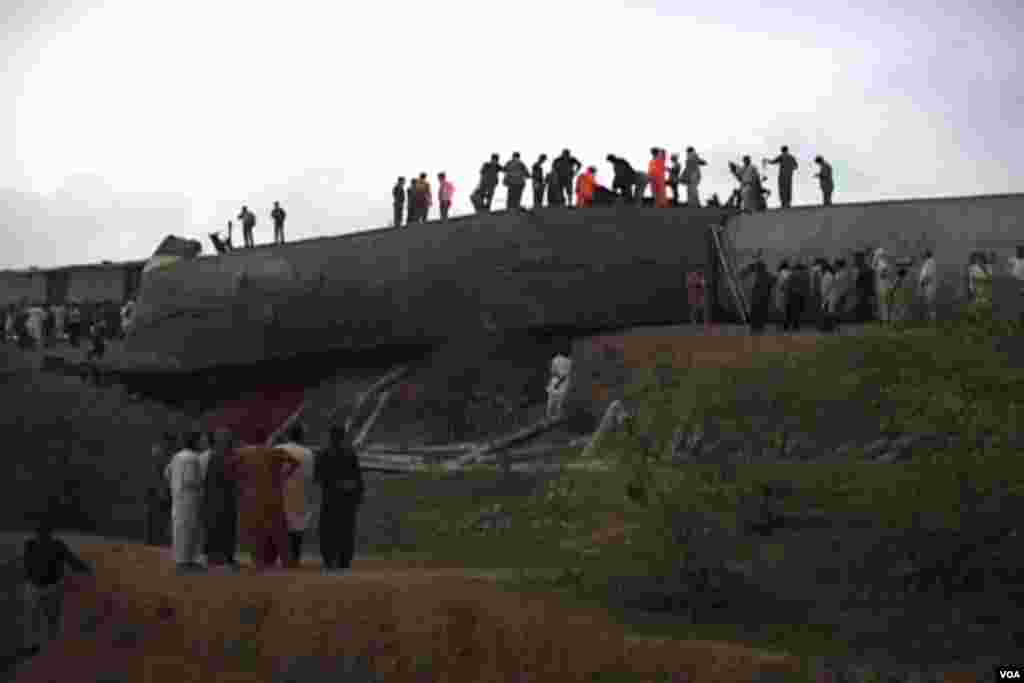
x=301, y=493
x=883, y=284
x=928, y=284
x=558, y=385
x=184, y=476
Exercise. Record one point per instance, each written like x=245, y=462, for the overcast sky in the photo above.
x=127, y=120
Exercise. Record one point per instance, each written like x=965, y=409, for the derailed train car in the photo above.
x=556, y=267
x=100, y=283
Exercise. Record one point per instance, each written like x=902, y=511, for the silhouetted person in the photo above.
x=516, y=174
x=445, y=192
x=424, y=198
x=787, y=166
x=624, y=177
x=221, y=245
x=691, y=177
x=760, y=297
x=99, y=341
x=656, y=174
x=410, y=202
x=220, y=504
x=537, y=180
x=278, y=215
x=398, y=200
x=489, y=180
x=565, y=168
x=554, y=187
x=798, y=291
x=248, y=219
x=337, y=472
x=824, y=176
x=714, y=202
x=674, y=172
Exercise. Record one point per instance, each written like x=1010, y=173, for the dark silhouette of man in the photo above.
x=516, y=174
x=337, y=472
x=248, y=219
x=278, y=215
x=537, y=178
x=424, y=197
x=624, y=178
x=554, y=188
x=489, y=180
x=410, y=202
x=674, y=171
x=824, y=176
x=565, y=168
x=398, y=200
x=787, y=166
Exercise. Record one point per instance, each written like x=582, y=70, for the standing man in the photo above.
x=74, y=325
x=278, y=215
x=750, y=185
x=248, y=219
x=674, y=172
x=824, y=176
x=883, y=284
x=183, y=476
x=787, y=166
x=696, y=288
x=489, y=180
x=537, y=178
x=220, y=504
x=554, y=188
x=301, y=495
x=158, y=499
x=445, y=192
x=927, y=284
x=425, y=197
x=337, y=472
x=691, y=177
x=516, y=174
x=44, y=559
x=558, y=385
x=624, y=178
x=587, y=188
x=1017, y=271
x=398, y=200
x=565, y=168
x=656, y=170
x=260, y=474
x=410, y=194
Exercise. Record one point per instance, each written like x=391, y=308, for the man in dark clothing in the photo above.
x=760, y=296
x=516, y=174
x=565, y=168
x=824, y=176
x=220, y=504
x=537, y=179
x=787, y=166
x=74, y=326
x=398, y=200
x=489, y=180
x=622, y=182
x=99, y=343
x=337, y=471
x=798, y=291
x=158, y=495
x=554, y=188
x=865, y=288
x=44, y=560
x=248, y=219
x=410, y=203
x=278, y=215
x=674, y=172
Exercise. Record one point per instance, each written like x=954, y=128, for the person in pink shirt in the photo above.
x=445, y=191
x=696, y=287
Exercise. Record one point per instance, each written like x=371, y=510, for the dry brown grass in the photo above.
x=711, y=350
x=465, y=626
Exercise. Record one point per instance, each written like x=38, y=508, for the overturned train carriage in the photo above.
x=595, y=268
x=84, y=284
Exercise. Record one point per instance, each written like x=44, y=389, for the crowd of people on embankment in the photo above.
x=569, y=183
x=35, y=325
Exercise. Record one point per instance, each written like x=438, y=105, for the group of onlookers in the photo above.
x=41, y=326
x=569, y=183
x=215, y=496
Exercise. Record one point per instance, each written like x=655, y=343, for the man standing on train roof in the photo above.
x=656, y=172
x=691, y=177
x=424, y=198
x=398, y=200
x=278, y=215
x=489, y=180
x=445, y=192
x=565, y=168
x=248, y=219
x=537, y=178
x=516, y=174
x=824, y=176
x=674, y=172
x=787, y=166
x=410, y=202
x=625, y=176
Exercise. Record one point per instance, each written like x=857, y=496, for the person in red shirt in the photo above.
x=585, y=188
x=260, y=474
x=656, y=170
x=696, y=288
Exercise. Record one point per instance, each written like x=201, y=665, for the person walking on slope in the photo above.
x=656, y=170
x=787, y=167
x=398, y=201
x=44, y=558
x=301, y=494
x=516, y=175
x=537, y=179
x=824, y=176
x=184, y=477
x=445, y=192
x=248, y=219
x=624, y=178
x=220, y=503
x=565, y=168
x=691, y=177
x=337, y=472
x=674, y=172
x=489, y=180
x=278, y=215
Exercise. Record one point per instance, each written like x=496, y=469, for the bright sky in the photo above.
x=128, y=120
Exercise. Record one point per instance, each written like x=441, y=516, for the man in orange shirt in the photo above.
x=585, y=188
x=656, y=170
x=260, y=473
